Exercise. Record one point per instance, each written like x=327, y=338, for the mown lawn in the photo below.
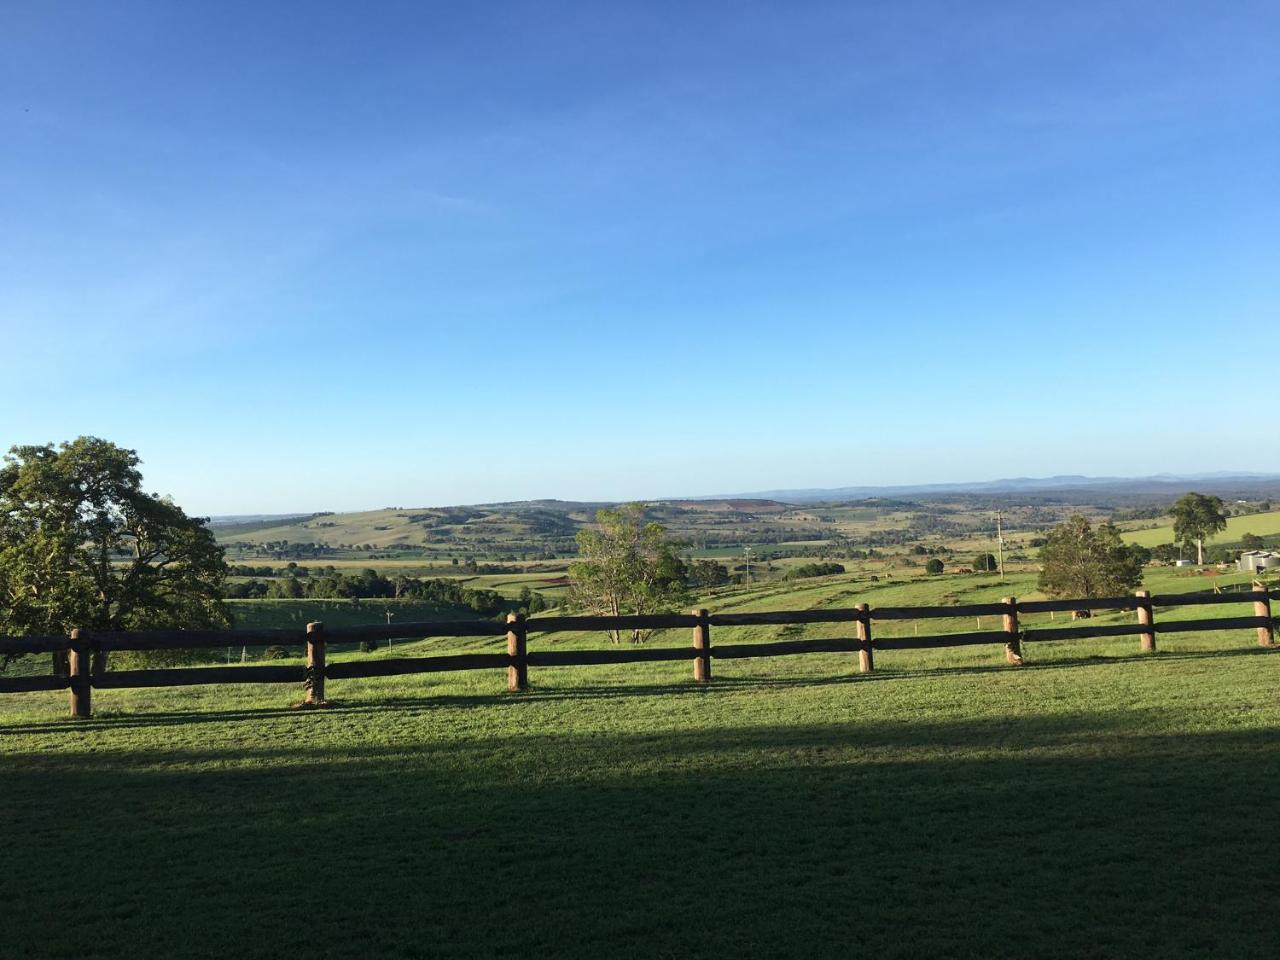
x=1094, y=803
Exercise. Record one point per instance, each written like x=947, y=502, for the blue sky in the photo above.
x=340, y=257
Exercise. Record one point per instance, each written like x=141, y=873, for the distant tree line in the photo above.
x=924, y=550
x=807, y=570
x=370, y=584
x=838, y=548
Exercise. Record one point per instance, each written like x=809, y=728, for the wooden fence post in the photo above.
x=80, y=689
x=1012, y=646
x=315, y=662
x=1146, y=618
x=518, y=651
x=1262, y=608
x=702, y=646
x=866, y=659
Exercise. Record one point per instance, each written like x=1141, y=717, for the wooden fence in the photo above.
x=81, y=644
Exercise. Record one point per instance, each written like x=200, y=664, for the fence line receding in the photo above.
x=79, y=646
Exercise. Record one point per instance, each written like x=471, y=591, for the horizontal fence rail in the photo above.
x=78, y=648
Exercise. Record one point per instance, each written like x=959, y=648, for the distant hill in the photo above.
x=237, y=518
x=541, y=528
x=529, y=527
x=728, y=505
x=232, y=526
x=479, y=529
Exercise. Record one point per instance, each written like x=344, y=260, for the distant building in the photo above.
x=1251, y=561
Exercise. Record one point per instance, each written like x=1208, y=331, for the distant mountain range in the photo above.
x=1163, y=484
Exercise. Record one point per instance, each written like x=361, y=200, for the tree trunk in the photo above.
x=1200, y=552
x=615, y=609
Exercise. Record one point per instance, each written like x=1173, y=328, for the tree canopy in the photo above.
x=82, y=545
x=1196, y=518
x=627, y=566
x=806, y=570
x=1080, y=560
x=1251, y=541
x=706, y=573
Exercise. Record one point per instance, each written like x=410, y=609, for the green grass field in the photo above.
x=1094, y=803
x=1261, y=524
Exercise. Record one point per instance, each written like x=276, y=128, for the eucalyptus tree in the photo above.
x=1196, y=518
x=1080, y=560
x=627, y=566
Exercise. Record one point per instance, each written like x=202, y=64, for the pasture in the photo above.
x=1261, y=524
x=858, y=586
x=1093, y=803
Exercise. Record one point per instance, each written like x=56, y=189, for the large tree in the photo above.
x=627, y=566
x=1196, y=518
x=1080, y=560
x=82, y=545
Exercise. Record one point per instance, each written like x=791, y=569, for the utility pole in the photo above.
x=747, y=551
x=1000, y=542
x=389, y=616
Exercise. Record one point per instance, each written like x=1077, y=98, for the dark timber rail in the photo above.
x=81, y=644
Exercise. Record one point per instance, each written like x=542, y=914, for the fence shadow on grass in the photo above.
x=1092, y=835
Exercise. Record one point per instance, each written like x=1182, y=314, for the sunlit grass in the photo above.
x=1093, y=803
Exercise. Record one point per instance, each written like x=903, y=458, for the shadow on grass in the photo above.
x=1091, y=836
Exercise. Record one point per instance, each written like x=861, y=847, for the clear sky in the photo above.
x=357, y=255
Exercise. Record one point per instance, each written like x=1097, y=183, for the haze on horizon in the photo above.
x=333, y=257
